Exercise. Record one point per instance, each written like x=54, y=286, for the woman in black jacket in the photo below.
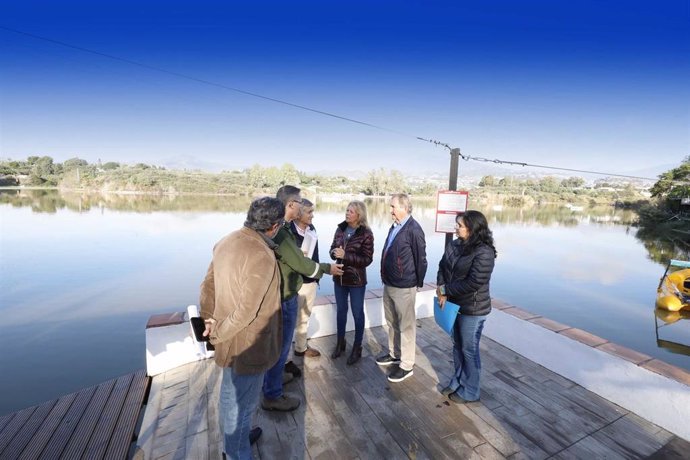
x=463, y=278
x=353, y=246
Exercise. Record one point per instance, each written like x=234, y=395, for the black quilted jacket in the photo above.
x=466, y=277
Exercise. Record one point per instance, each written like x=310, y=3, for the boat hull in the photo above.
x=674, y=292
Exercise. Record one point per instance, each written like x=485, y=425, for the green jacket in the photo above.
x=293, y=263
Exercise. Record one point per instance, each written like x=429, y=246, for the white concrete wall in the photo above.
x=168, y=347
x=656, y=398
x=322, y=321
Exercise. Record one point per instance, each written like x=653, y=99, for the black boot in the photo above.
x=355, y=355
x=339, y=348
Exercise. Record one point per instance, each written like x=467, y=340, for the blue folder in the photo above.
x=446, y=318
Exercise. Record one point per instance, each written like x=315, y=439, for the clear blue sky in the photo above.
x=588, y=84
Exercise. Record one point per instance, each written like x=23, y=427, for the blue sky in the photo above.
x=597, y=85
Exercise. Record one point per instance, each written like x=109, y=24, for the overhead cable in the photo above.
x=203, y=81
x=518, y=163
x=303, y=107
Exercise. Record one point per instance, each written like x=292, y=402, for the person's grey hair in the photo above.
x=306, y=205
x=288, y=193
x=264, y=213
x=403, y=200
x=361, y=210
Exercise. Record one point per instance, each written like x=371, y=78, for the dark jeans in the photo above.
x=239, y=397
x=273, y=381
x=356, y=295
x=467, y=331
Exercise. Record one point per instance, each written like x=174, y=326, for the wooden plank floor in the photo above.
x=351, y=412
x=95, y=423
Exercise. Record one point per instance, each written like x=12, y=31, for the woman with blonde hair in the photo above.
x=353, y=246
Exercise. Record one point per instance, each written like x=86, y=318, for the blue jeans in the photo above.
x=273, y=381
x=467, y=331
x=357, y=303
x=239, y=397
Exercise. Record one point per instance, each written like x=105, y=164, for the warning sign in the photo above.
x=448, y=204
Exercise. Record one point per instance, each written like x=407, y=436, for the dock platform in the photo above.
x=98, y=422
x=526, y=411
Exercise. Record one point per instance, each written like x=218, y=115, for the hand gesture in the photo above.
x=339, y=252
x=336, y=269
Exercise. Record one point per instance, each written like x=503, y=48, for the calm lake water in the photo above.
x=80, y=275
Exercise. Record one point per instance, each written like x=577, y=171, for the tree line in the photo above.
x=667, y=216
x=78, y=174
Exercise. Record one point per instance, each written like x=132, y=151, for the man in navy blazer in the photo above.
x=403, y=267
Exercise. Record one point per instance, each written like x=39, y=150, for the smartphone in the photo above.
x=199, y=327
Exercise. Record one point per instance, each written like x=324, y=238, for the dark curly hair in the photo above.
x=479, y=231
x=263, y=213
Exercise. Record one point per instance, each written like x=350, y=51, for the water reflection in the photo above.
x=49, y=201
x=101, y=264
x=663, y=248
x=666, y=337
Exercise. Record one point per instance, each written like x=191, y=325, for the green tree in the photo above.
x=256, y=176
x=290, y=175
x=573, y=182
x=487, y=181
x=674, y=183
x=549, y=184
x=74, y=163
x=42, y=170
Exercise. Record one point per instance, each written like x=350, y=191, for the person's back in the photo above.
x=240, y=305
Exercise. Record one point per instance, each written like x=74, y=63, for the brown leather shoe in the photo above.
x=309, y=353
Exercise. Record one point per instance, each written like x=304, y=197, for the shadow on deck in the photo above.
x=526, y=411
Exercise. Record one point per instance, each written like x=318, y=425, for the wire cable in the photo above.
x=304, y=107
x=203, y=81
x=518, y=163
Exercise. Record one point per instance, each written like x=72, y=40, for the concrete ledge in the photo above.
x=625, y=353
x=655, y=390
x=170, y=343
x=520, y=313
x=166, y=319
x=323, y=316
x=583, y=336
x=668, y=370
x=549, y=324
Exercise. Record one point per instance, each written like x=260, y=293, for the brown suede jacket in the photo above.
x=241, y=292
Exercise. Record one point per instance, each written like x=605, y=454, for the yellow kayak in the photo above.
x=673, y=293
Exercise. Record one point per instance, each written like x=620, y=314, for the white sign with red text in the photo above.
x=448, y=204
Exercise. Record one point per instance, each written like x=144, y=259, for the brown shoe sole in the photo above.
x=309, y=353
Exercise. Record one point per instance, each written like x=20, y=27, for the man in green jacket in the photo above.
x=293, y=264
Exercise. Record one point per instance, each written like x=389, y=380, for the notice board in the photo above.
x=448, y=204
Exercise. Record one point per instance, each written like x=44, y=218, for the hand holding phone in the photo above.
x=199, y=326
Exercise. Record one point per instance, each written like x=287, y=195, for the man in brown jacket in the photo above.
x=240, y=303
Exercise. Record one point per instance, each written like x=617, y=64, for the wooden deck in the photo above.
x=526, y=411
x=98, y=422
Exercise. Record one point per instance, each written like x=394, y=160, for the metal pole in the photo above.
x=453, y=181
